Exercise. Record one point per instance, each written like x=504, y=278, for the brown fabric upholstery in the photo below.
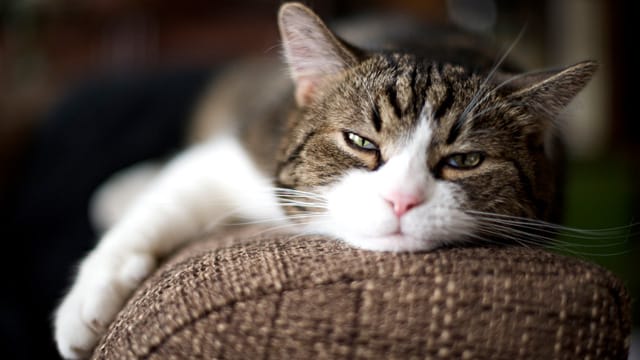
x=277, y=297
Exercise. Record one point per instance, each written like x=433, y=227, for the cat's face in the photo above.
x=403, y=153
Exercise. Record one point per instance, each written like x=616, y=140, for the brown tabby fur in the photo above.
x=381, y=96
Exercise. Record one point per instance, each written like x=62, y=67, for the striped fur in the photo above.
x=507, y=117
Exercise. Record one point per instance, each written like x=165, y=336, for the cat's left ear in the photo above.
x=312, y=51
x=548, y=92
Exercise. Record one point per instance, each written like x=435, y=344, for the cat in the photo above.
x=396, y=150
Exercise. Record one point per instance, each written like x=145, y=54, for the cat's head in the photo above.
x=399, y=152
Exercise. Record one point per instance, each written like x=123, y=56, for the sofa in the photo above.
x=252, y=294
x=244, y=294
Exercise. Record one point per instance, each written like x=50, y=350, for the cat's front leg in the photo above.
x=104, y=282
x=125, y=256
x=200, y=187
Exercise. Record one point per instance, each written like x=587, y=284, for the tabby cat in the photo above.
x=392, y=150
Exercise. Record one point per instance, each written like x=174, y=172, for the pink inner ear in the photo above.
x=305, y=88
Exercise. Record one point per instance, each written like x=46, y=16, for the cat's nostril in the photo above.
x=402, y=203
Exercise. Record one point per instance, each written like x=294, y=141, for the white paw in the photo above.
x=104, y=283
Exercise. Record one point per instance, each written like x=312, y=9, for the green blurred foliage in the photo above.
x=600, y=194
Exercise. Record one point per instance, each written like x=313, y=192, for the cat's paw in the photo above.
x=104, y=283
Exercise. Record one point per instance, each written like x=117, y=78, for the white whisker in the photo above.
x=297, y=192
x=491, y=108
x=278, y=219
x=519, y=230
x=302, y=204
x=555, y=231
x=541, y=223
x=502, y=235
x=482, y=89
x=296, y=226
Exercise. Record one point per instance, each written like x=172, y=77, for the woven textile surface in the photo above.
x=274, y=297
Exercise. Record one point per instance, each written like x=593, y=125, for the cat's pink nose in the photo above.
x=402, y=203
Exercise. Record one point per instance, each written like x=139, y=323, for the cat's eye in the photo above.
x=360, y=142
x=464, y=161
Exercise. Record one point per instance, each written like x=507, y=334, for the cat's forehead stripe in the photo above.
x=392, y=93
x=399, y=93
x=454, y=132
x=408, y=86
x=434, y=87
x=375, y=117
x=445, y=104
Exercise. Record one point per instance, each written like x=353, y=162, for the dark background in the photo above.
x=91, y=86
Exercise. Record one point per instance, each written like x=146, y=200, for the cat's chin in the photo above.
x=393, y=243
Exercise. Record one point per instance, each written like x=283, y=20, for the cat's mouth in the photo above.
x=398, y=235
x=397, y=231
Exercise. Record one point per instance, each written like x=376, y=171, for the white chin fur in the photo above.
x=393, y=243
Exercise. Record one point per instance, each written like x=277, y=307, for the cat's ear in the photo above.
x=312, y=51
x=548, y=92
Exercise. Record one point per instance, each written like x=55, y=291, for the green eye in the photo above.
x=360, y=142
x=464, y=161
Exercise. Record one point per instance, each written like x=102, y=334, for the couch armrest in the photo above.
x=274, y=296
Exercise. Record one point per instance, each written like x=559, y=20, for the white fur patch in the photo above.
x=359, y=214
x=112, y=200
x=198, y=189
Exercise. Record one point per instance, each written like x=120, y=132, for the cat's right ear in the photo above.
x=312, y=51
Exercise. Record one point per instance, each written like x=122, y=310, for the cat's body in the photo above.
x=391, y=151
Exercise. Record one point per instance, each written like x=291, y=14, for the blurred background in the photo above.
x=90, y=86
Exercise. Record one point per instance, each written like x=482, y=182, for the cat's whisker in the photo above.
x=220, y=221
x=512, y=234
x=296, y=192
x=306, y=233
x=531, y=239
x=546, y=239
x=277, y=46
x=471, y=237
x=278, y=219
x=296, y=226
x=482, y=89
x=502, y=235
x=462, y=236
x=235, y=213
x=298, y=203
x=301, y=198
x=492, y=108
x=305, y=208
x=496, y=215
x=559, y=231
x=277, y=228
x=544, y=224
x=493, y=91
x=530, y=235
x=284, y=197
x=590, y=254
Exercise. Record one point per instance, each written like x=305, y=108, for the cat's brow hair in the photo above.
x=399, y=90
x=409, y=85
